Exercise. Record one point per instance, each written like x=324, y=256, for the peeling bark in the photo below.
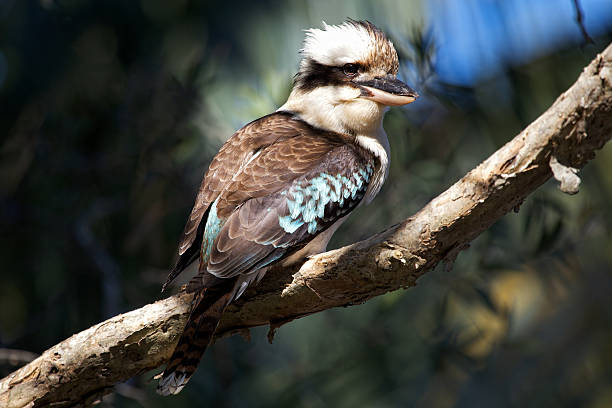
x=82, y=368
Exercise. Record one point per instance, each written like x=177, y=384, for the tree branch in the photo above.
x=85, y=366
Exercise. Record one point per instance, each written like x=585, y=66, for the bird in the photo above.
x=280, y=187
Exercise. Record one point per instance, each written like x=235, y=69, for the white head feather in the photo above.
x=349, y=42
x=337, y=45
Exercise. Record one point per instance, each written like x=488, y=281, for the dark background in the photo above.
x=111, y=110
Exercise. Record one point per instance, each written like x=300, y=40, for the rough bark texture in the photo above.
x=82, y=368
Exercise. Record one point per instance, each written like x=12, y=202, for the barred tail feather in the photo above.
x=208, y=307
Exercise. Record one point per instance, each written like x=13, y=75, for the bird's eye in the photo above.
x=350, y=69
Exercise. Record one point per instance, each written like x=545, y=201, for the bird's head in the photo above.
x=347, y=78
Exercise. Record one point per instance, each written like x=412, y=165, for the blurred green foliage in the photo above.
x=110, y=114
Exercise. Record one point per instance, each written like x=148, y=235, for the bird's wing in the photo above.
x=291, y=192
x=231, y=158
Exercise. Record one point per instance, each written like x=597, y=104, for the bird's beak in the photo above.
x=387, y=90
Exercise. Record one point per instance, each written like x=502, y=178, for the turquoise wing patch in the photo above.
x=311, y=202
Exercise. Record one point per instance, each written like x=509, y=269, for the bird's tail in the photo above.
x=207, y=309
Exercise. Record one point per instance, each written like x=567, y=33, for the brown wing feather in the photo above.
x=276, y=167
x=231, y=157
x=252, y=236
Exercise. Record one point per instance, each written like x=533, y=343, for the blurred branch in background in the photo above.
x=86, y=366
x=108, y=267
x=580, y=22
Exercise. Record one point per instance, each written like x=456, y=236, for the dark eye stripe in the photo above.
x=314, y=75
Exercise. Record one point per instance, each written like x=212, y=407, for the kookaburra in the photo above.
x=282, y=185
